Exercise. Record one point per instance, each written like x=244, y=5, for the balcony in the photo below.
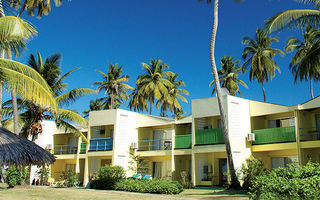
x=64, y=149
x=275, y=135
x=83, y=148
x=157, y=144
x=101, y=144
x=309, y=133
x=183, y=141
x=209, y=136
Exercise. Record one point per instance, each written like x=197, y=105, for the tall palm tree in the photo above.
x=94, y=105
x=138, y=101
x=114, y=86
x=258, y=56
x=175, y=93
x=295, y=17
x=13, y=34
x=234, y=179
x=228, y=75
x=33, y=114
x=153, y=84
x=305, y=67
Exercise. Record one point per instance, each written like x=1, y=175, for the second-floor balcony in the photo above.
x=101, y=144
x=156, y=144
x=209, y=136
x=309, y=133
x=275, y=135
x=83, y=147
x=183, y=141
x=64, y=149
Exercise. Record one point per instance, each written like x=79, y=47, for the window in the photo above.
x=70, y=167
x=283, y=161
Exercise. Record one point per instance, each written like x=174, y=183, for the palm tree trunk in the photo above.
x=1, y=56
x=311, y=88
x=112, y=101
x=14, y=103
x=234, y=179
x=264, y=92
x=22, y=9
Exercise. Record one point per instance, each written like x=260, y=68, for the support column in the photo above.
x=297, y=126
x=193, y=173
x=173, y=167
x=77, y=158
x=86, y=172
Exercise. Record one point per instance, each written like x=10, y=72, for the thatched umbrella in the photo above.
x=15, y=149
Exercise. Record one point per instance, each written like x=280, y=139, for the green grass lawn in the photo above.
x=47, y=193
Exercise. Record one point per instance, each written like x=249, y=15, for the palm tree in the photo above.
x=175, y=93
x=114, y=86
x=303, y=66
x=234, y=180
x=22, y=79
x=33, y=114
x=153, y=84
x=228, y=75
x=258, y=56
x=94, y=105
x=295, y=17
x=138, y=101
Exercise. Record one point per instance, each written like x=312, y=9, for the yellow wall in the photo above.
x=182, y=129
x=181, y=164
x=59, y=166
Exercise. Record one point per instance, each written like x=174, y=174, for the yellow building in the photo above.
x=193, y=146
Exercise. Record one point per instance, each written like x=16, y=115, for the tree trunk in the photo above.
x=112, y=101
x=22, y=9
x=311, y=88
x=234, y=180
x=14, y=103
x=1, y=56
x=264, y=92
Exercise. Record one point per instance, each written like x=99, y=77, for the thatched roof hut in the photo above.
x=15, y=149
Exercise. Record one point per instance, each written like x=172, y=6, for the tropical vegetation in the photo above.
x=302, y=65
x=228, y=75
x=258, y=56
x=31, y=114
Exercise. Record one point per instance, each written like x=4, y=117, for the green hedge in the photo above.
x=291, y=182
x=106, y=177
x=159, y=186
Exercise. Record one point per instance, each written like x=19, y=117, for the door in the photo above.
x=318, y=125
x=223, y=169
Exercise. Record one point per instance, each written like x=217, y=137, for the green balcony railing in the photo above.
x=183, y=141
x=275, y=135
x=83, y=147
x=209, y=136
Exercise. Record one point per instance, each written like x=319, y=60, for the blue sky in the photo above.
x=91, y=34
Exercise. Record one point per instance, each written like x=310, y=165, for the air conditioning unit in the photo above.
x=134, y=145
x=49, y=146
x=251, y=137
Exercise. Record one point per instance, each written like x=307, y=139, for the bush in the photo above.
x=43, y=174
x=13, y=177
x=251, y=171
x=159, y=186
x=291, y=182
x=106, y=177
x=70, y=177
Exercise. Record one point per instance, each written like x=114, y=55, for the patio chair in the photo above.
x=52, y=182
x=137, y=176
x=147, y=177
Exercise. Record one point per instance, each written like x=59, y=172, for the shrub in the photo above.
x=106, y=177
x=185, y=180
x=43, y=174
x=291, y=182
x=159, y=186
x=251, y=170
x=13, y=177
x=70, y=177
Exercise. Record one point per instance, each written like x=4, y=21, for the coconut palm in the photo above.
x=228, y=75
x=94, y=105
x=302, y=65
x=33, y=114
x=258, y=56
x=138, y=101
x=175, y=93
x=295, y=17
x=153, y=84
x=234, y=180
x=114, y=86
